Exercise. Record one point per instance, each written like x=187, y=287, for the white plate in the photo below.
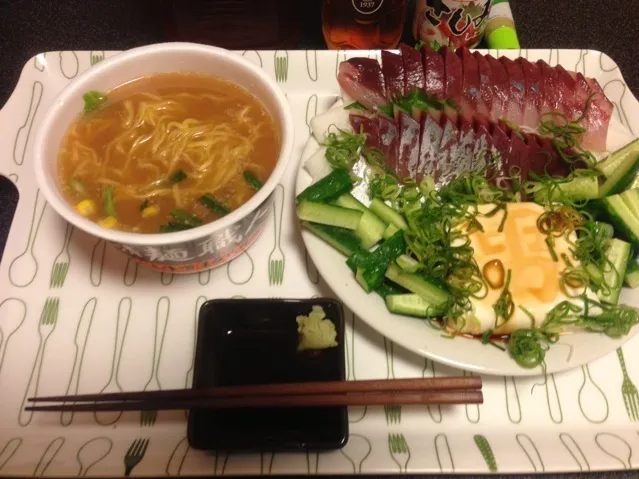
x=416, y=335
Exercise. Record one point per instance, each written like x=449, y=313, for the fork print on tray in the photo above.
x=135, y=454
x=48, y=321
x=148, y=418
x=628, y=390
x=61, y=262
x=276, y=260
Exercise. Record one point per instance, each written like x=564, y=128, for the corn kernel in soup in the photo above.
x=167, y=152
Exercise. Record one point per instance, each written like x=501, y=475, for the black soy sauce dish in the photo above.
x=254, y=341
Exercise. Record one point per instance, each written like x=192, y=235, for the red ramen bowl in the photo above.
x=206, y=246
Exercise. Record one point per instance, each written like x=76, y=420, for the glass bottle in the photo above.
x=363, y=24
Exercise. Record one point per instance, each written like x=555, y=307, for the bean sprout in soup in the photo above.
x=168, y=152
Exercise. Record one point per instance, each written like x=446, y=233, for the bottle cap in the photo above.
x=503, y=38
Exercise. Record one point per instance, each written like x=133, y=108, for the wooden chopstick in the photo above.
x=308, y=388
x=456, y=396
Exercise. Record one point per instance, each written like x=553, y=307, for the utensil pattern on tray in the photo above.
x=24, y=267
x=177, y=458
x=135, y=454
x=61, y=262
x=92, y=452
x=48, y=456
x=162, y=311
x=46, y=325
x=575, y=451
x=628, y=390
x=13, y=320
x=276, y=260
x=121, y=327
x=23, y=134
x=8, y=450
x=81, y=337
x=88, y=319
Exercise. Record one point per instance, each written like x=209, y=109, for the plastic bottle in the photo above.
x=500, y=27
x=459, y=23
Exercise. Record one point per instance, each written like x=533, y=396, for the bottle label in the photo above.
x=367, y=7
x=451, y=22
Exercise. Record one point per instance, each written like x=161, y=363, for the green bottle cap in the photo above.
x=503, y=38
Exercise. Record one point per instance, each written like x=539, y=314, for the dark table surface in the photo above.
x=28, y=27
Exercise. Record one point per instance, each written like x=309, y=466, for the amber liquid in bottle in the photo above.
x=363, y=24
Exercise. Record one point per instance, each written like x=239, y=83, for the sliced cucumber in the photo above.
x=631, y=198
x=371, y=271
x=390, y=230
x=579, y=188
x=621, y=211
x=329, y=214
x=388, y=214
x=388, y=287
x=371, y=228
x=632, y=273
x=408, y=263
x=341, y=239
x=632, y=279
x=357, y=259
x=328, y=188
x=433, y=294
x=620, y=170
x=412, y=305
x=349, y=201
x=618, y=254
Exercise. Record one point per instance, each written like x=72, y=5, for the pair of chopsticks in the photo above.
x=444, y=390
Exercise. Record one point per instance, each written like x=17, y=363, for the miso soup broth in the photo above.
x=167, y=152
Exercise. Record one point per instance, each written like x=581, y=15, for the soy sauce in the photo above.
x=256, y=343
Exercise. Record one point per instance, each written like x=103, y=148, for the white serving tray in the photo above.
x=107, y=324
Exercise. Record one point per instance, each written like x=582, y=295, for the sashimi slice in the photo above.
x=408, y=160
x=413, y=67
x=538, y=159
x=362, y=79
x=518, y=157
x=485, y=86
x=445, y=163
x=461, y=155
x=571, y=99
x=532, y=103
x=389, y=141
x=597, y=124
x=434, y=73
x=472, y=103
x=517, y=90
x=597, y=113
x=556, y=167
x=550, y=95
x=453, y=69
x=500, y=87
x=498, y=173
x=543, y=159
x=368, y=126
x=393, y=71
x=482, y=147
x=429, y=141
